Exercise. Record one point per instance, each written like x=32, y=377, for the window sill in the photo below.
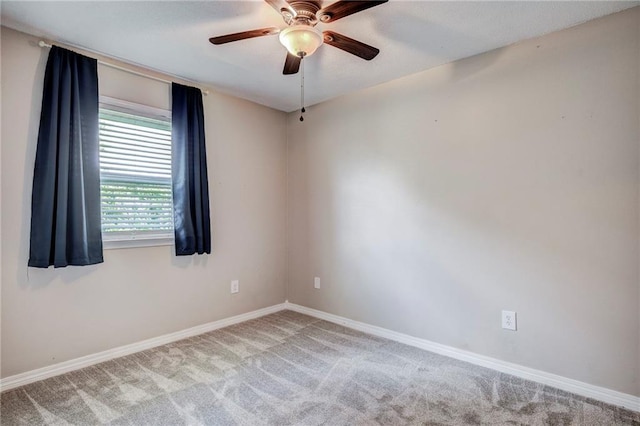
x=135, y=243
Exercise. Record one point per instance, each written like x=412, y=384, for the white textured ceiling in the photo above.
x=172, y=36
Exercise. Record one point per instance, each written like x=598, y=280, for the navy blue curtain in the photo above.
x=65, y=202
x=189, y=172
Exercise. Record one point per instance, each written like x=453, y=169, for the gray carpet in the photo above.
x=288, y=368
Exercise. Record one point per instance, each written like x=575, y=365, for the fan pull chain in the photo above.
x=302, y=110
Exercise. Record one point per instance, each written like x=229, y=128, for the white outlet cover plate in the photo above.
x=509, y=320
x=316, y=282
x=235, y=286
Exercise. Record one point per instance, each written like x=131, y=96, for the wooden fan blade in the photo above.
x=291, y=64
x=244, y=35
x=278, y=5
x=350, y=45
x=343, y=8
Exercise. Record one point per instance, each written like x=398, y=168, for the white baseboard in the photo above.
x=86, y=361
x=569, y=385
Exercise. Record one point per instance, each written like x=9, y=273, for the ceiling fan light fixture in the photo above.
x=301, y=40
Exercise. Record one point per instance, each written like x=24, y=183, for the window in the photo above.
x=135, y=174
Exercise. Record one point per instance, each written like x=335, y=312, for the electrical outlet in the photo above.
x=235, y=286
x=509, y=321
x=316, y=282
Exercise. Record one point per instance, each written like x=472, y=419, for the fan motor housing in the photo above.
x=305, y=10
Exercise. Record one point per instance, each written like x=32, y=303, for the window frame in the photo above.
x=132, y=239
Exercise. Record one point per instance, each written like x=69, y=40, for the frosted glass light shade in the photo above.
x=301, y=40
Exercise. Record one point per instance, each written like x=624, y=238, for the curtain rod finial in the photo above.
x=43, y=43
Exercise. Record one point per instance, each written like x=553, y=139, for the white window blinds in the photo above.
x=135, y=174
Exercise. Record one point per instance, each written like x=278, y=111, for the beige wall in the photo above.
x=509, y=180
x=51, y=315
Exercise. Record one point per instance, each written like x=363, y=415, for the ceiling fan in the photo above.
x=301, y=38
